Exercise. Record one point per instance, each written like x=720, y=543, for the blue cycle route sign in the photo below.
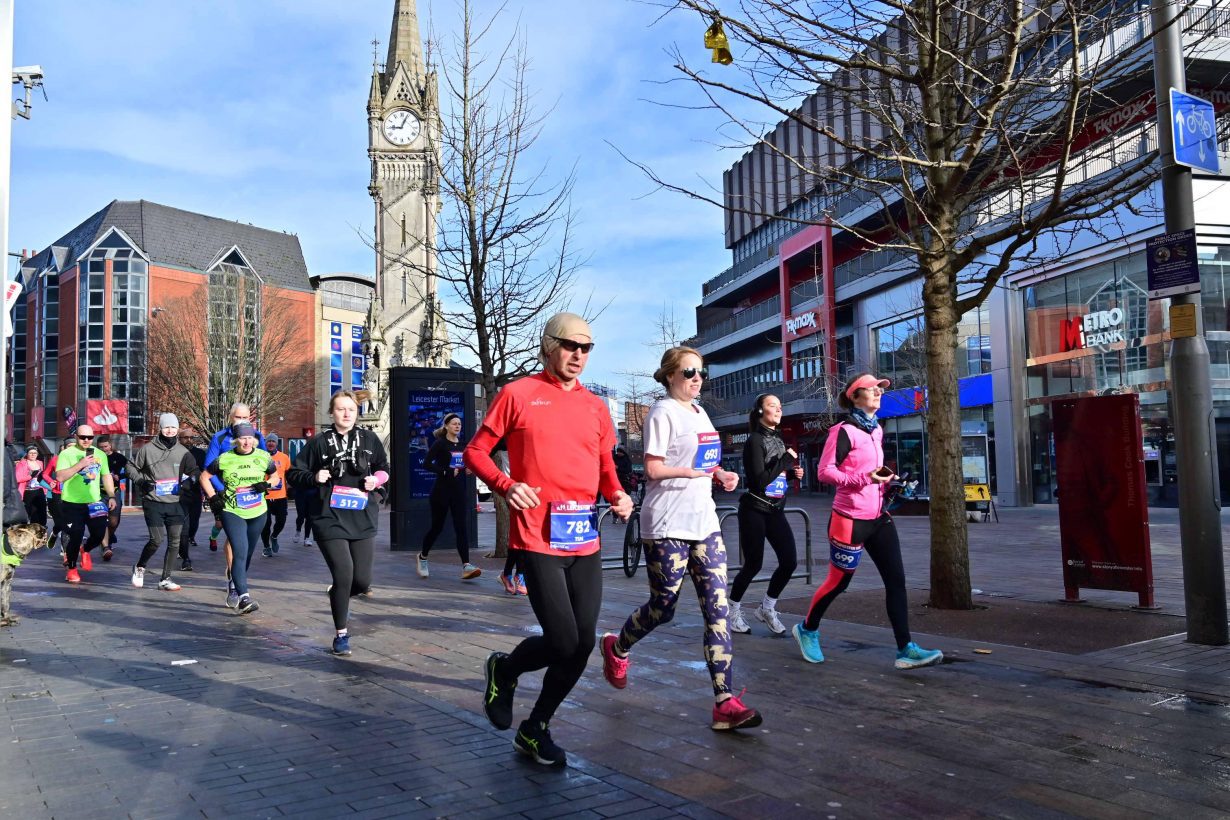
x=1194, y=130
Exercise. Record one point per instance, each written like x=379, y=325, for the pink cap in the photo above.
x=865, y=381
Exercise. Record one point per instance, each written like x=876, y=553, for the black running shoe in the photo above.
x=186, y=566
x=498, y=696
x=534, y=740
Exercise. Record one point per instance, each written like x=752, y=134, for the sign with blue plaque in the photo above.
x=1194, y=131
x=1172, y=265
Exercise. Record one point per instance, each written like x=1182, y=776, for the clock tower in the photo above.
x=404, y=325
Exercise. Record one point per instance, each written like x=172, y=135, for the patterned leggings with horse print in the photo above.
x=667, y=561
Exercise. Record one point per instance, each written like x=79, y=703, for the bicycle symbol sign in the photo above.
x=1194, y=130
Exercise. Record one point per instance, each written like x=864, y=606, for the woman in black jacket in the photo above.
x=766, y=462
x=348, y=468
x=448, y=495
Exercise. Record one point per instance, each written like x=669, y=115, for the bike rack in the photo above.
x=603, y=514
x=726, y=512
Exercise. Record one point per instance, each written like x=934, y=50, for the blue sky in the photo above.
x=255, y=111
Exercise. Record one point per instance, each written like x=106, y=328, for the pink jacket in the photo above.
x=24, y=476
x=857, y=495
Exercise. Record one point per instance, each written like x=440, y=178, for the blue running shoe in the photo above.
x=341, y=645
x=914, y=656
x=809, y=643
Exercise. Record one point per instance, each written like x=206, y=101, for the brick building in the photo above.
x=138, y=278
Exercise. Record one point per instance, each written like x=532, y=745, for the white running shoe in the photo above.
x=422, y=566
x=138, y=577
x=169, y=585
x=769, y=618
x=737, y=624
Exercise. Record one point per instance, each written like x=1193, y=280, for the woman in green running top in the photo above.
x=244, y=472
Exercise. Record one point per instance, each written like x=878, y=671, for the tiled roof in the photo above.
x=184, y=239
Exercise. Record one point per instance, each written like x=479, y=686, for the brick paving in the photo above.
x=266, y=723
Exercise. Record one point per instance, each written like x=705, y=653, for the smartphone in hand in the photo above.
x=884, y=473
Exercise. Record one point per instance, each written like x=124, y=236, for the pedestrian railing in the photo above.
x=732, y=569
x=630, y=558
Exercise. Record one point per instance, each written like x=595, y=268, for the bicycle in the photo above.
x=632, y=543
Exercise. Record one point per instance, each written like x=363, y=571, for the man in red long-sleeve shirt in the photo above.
x=560, y=438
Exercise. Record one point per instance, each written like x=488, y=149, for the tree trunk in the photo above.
x=502, y=518
x=950, y=584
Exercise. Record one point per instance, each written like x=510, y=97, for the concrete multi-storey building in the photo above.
x=804, y=305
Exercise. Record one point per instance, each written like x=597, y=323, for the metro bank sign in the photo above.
x=1096, y=329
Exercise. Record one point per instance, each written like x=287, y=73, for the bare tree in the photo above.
x=198, y=365
x=505, y=247
x=955, y=133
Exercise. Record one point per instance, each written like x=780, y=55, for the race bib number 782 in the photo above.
x=573, y=526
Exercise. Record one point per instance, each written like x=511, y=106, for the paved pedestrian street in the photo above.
x=124, y=702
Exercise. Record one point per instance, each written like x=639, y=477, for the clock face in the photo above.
x=401, y=127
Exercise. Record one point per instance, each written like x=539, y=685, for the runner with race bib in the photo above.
x=679, y=525
x=767, y=464
x=347, y=468
x=560, y=439
x=245, y=472
x=853, y=462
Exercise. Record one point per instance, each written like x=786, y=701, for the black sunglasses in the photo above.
x=689, y=372
x=85, y=438
x=573, y=347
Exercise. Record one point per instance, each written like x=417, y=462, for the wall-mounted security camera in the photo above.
x=31, y=77
x=28, y=75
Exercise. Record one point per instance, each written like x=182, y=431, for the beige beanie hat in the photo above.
x=562, y=326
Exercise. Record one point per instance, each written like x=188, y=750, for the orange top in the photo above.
x=281, y=461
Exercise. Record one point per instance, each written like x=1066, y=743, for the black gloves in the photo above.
x=261, y=486
x=216, y=503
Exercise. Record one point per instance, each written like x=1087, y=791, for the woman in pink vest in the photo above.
x=853, y=461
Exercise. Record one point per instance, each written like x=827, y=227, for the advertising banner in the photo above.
x=37, y=417
x=426, y=413
x=420, y=398
x=107, y=415
x=1103, y=519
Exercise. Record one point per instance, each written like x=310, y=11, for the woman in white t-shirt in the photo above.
x=679, y=524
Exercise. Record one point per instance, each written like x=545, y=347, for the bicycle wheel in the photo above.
x=632, y=545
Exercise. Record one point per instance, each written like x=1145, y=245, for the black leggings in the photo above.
x=276, y=520
x=512, y=565
x=754, y=527
x=350, y=564
x=878, y=537
x=565, y=594
x=441, y=505
x=36, y=506
x=80, y=527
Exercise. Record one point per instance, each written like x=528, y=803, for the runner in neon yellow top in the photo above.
x=244, y=472
x=85, y=473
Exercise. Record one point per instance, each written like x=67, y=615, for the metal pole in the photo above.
x=1191, y=391
x=6, y=143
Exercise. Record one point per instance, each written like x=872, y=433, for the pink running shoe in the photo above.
x=732, y=714
x=614, y=668
x=521, y=590
x=509, y=585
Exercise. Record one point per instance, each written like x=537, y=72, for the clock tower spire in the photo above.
x=405, y=326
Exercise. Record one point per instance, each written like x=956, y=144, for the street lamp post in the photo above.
x=1204, y=579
